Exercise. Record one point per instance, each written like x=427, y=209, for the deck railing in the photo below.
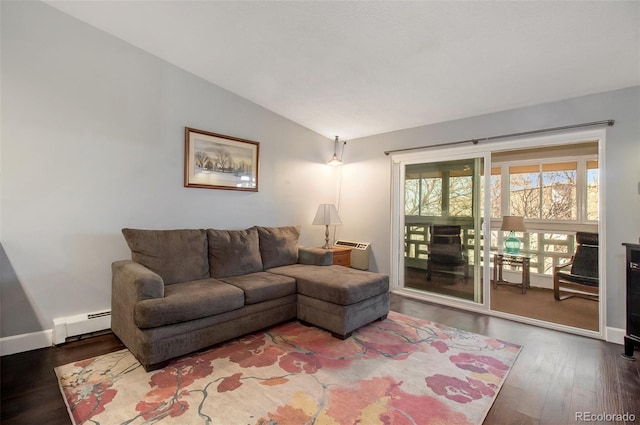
x=546, y=249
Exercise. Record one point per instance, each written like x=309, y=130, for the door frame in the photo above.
x=399, y=161
x=437, y=154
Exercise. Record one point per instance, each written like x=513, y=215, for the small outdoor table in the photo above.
x=522, y=261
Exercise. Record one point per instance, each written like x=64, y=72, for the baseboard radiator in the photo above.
x=80, y=324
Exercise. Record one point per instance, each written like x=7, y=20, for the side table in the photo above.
x=341, y=256
x=523, y=261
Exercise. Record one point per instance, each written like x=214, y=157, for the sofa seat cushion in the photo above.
x=188, y=301
x=261, y=286
x=335, y=284
x=176, y=255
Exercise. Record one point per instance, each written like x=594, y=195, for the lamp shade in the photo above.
x=327, y=215
x=512, y=223
x=335, y=160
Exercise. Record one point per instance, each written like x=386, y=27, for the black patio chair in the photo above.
x=445, y=252
x=580, y=275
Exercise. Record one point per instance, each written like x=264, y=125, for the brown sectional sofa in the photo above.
x=185, y=290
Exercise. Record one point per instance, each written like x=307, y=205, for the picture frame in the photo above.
x=216, y=161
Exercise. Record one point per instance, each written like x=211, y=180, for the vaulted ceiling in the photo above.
x=357, y=68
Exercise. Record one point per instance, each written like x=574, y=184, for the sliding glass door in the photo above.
x=449, y=207
x=440, y=212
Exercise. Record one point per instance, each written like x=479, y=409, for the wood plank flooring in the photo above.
x=555, y=376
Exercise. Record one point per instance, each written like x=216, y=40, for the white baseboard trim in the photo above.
x=615, y=335
x=25, y=342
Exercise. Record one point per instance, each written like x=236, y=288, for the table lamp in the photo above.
x=327, y=215
x=512, y=224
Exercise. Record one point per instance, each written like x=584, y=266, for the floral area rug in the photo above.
x=400, y=370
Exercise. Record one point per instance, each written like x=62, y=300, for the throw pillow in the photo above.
x=279, y=245
x=233, y=252
x=176, y=255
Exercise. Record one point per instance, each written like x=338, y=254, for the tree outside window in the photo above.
x=559, y=191
x=423, y=196
x=524, y=188
x=544, y=191
x=423, y=192
x=496, y=192
x=461, y=196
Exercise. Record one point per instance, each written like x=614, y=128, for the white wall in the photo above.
x=366, y=198
x=93, y=141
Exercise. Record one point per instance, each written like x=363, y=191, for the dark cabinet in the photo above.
x=632, y=338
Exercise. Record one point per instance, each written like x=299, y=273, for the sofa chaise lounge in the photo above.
x=185, y=290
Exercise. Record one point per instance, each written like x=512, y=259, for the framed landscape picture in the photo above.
x=215, y=161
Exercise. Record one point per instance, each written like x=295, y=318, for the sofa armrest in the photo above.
x=131, y=282
x=315, y=256
x=134, y=282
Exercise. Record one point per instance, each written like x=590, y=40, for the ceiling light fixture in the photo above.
x=335, y=160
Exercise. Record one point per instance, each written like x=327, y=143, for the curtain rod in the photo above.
x=504, y=136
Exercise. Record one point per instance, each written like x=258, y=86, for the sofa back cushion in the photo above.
x=176, y=255
x=233, y=252
x=278, y=245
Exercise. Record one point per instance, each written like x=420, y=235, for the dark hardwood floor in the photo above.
x=555, y=376
x=30, y=393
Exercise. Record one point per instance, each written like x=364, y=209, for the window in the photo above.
x=423, y=194
x=461, y=194
x=524, y=191
x=592, y=190
x=559, y=191
x=546, y=191
x=496, y=192
x=439, y=190
x=557, y=196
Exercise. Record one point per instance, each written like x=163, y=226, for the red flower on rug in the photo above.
x=378, y=400
x=250, y=351
x=458, y=390
x=91, y=400
x=480, y=364
x=169, y=387
x=230, y=383
x=440, y=346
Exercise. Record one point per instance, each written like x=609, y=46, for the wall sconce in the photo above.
x=335, y=160
x=512, y=224
x=327, y=215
